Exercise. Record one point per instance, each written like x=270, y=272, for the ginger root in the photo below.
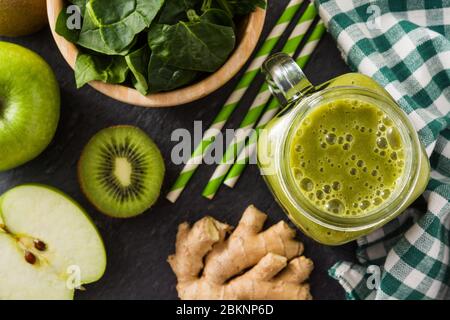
x=250, y=264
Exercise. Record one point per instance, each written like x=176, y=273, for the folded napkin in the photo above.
x=405, y=46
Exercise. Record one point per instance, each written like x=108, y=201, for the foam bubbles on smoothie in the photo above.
x=394, y=138
x=319, y=194
x=377, y=201
x=385, y=193
x=363, y=205
x=382, y=143
x=330, y=138
x=335, y=206
x=326, y=188
x=306, y=184
x=336, y=186
x=349, y=157
x=386, y=120
x=298, y=173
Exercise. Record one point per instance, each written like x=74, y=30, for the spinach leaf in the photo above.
x=91, y=38
x=163, y=77
x=62, y=29
x=80, y=3
x=200, y=46
x=175, y=10
x=112, y=69
x=223, y=4
x=179, y=47
x=138, y=62
x=111, y=26
x=217, y=16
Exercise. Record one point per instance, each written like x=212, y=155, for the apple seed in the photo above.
x=40, y=245
x=30, y=257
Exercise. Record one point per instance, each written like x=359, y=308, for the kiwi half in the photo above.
x=121, y=171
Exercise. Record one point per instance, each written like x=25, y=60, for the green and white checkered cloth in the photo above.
x=405, y=46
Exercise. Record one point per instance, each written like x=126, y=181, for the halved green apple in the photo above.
x=48, y=245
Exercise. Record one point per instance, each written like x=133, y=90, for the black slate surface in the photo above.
x=137, y=248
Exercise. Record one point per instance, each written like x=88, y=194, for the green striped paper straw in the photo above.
x=272, y=109
x=232, y=102
x=257, y=107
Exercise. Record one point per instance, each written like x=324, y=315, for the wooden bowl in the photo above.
x=248, y=37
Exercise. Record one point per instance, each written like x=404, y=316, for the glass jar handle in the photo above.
x=285, y=78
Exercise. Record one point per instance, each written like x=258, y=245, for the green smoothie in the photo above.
x=346, y=157
x=338, y=164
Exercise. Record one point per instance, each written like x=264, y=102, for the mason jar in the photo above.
x=313, y=190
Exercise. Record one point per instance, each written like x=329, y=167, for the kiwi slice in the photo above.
x=121, y=171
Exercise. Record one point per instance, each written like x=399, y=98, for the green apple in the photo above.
x=29, y=105
x=359, y=80
x=48, y=245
